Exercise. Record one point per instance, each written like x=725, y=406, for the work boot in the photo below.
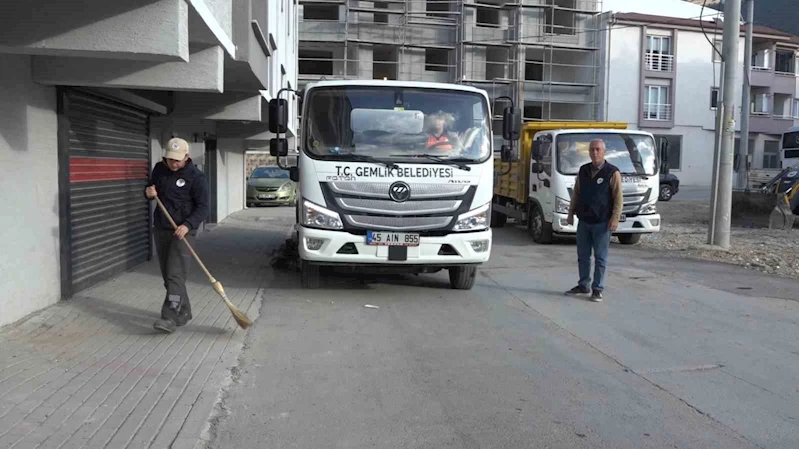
x=579, y=291
x=184, y=314
x=166, y=325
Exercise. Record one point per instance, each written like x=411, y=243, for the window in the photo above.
x=436, y=60
x=714, y=97
x=761, y=104
x=658, y=53
x=487, y=16
x=675, y=149
x=717, y=54
x=315, y=62
x=320, y=12
x=796, y=108
x=656, y=103
x=381, y=17
x=785, y=62
x=437, y=8
x=534, y=70
x=771, y=154
x=560, y=21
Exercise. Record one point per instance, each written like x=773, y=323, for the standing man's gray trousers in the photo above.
x=174, y=258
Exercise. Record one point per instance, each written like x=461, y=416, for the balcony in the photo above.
x=657, y=62
x=657, y=112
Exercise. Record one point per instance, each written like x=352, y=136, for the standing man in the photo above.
x=597, y=201
x=183, y=189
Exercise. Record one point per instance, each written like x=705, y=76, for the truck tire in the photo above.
x=539, y=229
x=498, y=219
x=629, y=239
x=462, y=278
x=309, y=275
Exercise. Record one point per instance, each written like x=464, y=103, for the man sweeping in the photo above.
x=183, y=189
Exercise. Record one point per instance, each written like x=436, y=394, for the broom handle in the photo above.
x=196, y=257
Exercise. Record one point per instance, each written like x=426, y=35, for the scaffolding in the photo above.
x=544, y=54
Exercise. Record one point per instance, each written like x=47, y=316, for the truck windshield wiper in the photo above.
x=364, y=158
x=453, y=162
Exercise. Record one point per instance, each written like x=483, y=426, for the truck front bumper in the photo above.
x=449, y=250
x=640, y=224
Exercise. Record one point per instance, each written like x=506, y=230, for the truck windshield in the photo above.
x=633, y=154
x=397, y=123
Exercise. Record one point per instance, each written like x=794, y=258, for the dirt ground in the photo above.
x=684, y=234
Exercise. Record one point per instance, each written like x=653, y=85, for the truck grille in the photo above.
x=431, y=208
x=388, y=207
x=398, y=223
x=380, y=190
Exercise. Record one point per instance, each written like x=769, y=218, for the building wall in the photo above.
x=625, y=75
x=29, y=225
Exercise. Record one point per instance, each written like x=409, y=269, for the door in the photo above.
x=104, y=164
x=541, y=174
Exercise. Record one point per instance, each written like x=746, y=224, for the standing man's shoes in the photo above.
x=578, y=291
x=165, y=325
x=596, y=296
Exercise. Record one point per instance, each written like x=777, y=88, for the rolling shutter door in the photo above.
x=108, y=216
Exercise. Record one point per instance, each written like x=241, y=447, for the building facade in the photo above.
x=89, y=97
x=541, y=53
x=664, y=75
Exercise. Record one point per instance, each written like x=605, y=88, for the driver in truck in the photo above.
x=439, y=138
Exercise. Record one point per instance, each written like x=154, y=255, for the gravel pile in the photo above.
x=684, y=234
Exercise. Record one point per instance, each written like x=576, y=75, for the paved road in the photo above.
x=692, y=193
x=683, y=355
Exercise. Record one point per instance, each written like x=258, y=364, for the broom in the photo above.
x=238, y=315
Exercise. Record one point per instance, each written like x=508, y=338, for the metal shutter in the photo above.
x=108, y=218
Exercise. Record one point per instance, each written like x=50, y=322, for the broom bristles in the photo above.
x=241, y=318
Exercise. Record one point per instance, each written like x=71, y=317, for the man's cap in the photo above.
x=176, y=149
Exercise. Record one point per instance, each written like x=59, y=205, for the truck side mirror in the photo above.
x=507, y=153
x=279, y=147
x=536, y=151
x=278, y=115
x=294, y=174
x=511, y=123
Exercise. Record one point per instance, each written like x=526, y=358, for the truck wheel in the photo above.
x=629, y=239
x=498, y=219
x=539, y=229
x=309, y=274
x=462, y=278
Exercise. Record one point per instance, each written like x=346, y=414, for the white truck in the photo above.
x=393, y=175
x=537, y=187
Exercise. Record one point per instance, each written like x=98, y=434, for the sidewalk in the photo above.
x=92, y=372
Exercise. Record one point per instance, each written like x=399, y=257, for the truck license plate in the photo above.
x=381, y=238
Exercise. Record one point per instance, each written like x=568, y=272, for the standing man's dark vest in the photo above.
x=596, y=199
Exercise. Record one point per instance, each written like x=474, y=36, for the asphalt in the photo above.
x=681, y=354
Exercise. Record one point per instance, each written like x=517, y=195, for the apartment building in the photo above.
x=91, y=91
x=664, y=75
x=541, y=53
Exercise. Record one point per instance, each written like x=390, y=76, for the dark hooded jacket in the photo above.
x=184, y=194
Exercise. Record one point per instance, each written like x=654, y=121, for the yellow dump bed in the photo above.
x=513, y=183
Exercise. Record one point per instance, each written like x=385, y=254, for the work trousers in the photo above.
x=594, y=237
x=174, y=258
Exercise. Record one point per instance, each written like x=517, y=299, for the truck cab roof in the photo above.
x=392, y=83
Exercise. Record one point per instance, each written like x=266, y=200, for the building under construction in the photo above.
x=542, y=53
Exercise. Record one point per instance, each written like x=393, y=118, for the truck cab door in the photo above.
x=541, y=172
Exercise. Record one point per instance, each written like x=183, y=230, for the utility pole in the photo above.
x=714, y=189
x=743, y=149
x=723, y=206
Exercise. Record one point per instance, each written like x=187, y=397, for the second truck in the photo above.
x=536, y=187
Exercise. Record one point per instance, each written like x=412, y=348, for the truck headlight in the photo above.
x=473, y=220
x=318, y=217
x=649, y=208
x=561, y=206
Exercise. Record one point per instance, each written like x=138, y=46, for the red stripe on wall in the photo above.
x=86, y=169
